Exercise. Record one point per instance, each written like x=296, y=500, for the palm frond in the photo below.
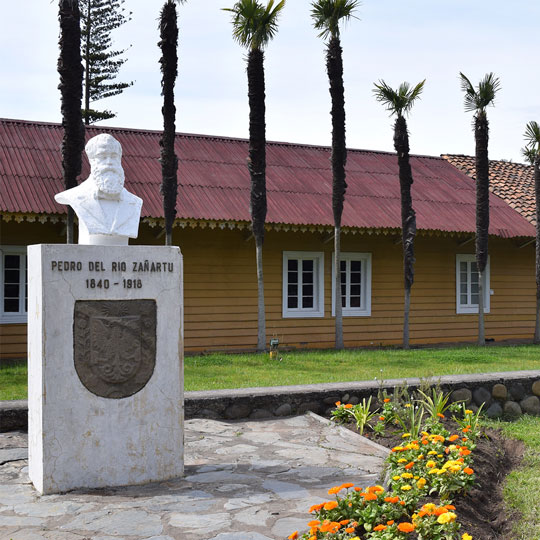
x=529, y=153
x=476, y=100
x=254, y=25
x=398, y=101
x=327, y=15
x=532, y=134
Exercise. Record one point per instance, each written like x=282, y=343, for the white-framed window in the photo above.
x=13, y=284
x=355, y=284
x=303, y=284
x=467, y=285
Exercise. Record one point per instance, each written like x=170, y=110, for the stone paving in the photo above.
x=248, y=480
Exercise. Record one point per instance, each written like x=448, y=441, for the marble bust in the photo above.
x=108, y=213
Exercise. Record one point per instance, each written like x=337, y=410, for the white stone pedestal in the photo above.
x=78, y=439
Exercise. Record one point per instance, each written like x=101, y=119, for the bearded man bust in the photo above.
x=108, y=213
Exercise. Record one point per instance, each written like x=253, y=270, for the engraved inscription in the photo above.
x=114, y=345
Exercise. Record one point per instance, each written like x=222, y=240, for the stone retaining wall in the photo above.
x=505, y=393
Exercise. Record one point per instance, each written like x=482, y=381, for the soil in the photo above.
x=481, y=512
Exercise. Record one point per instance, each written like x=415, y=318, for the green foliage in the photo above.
x=400, y=101
x=327, y=15
x=13, y=381
x=254, y=25
x=532, y=136
x=410, y=419
x=478, y=99
x=362, y=414
x=436, y=403
x=99, y=18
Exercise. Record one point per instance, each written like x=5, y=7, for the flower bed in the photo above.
x=430, y=466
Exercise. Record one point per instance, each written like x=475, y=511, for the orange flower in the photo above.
x=465, y=430
x=349, y=530
x=316, y=507
x=392, y=500
x=347, y=485
x=375, y=489
x=386, y=400
x=344, y=522
x=357, y=489
x=464, y=452
x=369, y=496
x=449, y=506
x=381, y=417
x=440, y=415
x=379, y=528
x=330, y=526
x=440, y=510
x=422, y=513
x=338, y=403
x=409, y=465
x=334, y=490
x=453, y=438
x=330, y=505
x=348, y=406
x=314, y=523
x=406, y=527
x=468, y=470
x=293, y=536
x=391, y=522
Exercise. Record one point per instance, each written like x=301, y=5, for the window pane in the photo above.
x=12, y=261
x=307, y=290
x=11, y=290
x=463, y=288
x=463, y=268
x=292, y=264
x=474, y=268
x=355, y=290
x=474, y=299
x=292, y=277
x=307, y=302
x=292, y=289
x=463, y=277
x=11, y=305
x=474, y=277
x=292, y=302
x=343, y=301
x=355, y=302
x=474, y=288
x=11, y=276
x=343, y=265
x=307, y=277
x=307, y=265
x=356, y=277
x=463, y=299
x=356, y=266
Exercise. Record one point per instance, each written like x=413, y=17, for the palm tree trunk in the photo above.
x=257, y=171
x=337, y=289
x=169, y=162
x=481, y=135
x=537, y=193
x=70, y=70
x=408, y=217
x=334, y=67
x=261, y=318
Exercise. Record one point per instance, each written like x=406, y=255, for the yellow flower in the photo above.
x=434, y=471
x=447, y=517
x=464, y=537
x=468, y=411
x=406, y=475
x=402, y=460
x=421, y=483
x=430, y=464
x=407, y=405
x=406, y=487
x=405, y=435
x=396, y=478
x=431, y=453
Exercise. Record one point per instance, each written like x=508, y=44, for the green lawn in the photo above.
x=521, y=490
x=306, y=367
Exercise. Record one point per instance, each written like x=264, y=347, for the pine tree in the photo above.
x=101, y=63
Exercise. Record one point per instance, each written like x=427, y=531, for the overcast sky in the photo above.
x=394, y=40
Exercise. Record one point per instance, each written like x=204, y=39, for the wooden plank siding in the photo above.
x=220, y=290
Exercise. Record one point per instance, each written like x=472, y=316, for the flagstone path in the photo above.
x=247, y=480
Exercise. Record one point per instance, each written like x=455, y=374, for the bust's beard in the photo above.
x=109, y=181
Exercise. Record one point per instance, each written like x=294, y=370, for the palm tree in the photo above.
x=70, y=70
x=477, y=100
x=400, y=102
x=532, y=153
x=168, y=43
x=327, y=15
x=254, y=25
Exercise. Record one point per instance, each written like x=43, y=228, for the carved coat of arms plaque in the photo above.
x=114, y=345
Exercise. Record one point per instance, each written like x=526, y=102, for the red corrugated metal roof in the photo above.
x=214, y=182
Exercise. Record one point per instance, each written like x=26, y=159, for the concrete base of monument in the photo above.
x=105, y=365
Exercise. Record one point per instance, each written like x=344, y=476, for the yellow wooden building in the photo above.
x=213, y=231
